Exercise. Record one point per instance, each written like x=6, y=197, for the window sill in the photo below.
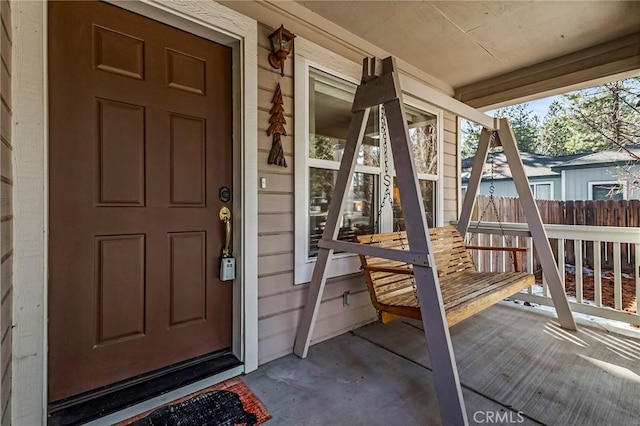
x=339, y=265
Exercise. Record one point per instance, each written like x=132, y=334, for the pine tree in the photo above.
x=604, y=116
x=276, y=128
x=555, y=132
x=524, y=123
x=470, y=137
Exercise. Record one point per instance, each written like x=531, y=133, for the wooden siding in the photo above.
x=450, y=171
x=280, y=302
x=6, y=214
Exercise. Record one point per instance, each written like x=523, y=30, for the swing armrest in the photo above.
x=516, y=261
x=393, y=270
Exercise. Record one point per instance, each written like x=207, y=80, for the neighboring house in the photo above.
x=546, y=184
x=605, y=175
x=613, y=174
x=125, y=129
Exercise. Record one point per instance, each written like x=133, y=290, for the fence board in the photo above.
x=624, y=213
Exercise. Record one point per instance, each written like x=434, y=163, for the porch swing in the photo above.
x=439, y=281
x=465, y=291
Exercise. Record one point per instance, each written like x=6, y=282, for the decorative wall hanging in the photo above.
x=276, y=128
x=281, y=41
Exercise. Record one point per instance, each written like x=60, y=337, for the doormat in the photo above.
x=226, y=404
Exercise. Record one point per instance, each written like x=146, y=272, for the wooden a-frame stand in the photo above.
x=380, y=85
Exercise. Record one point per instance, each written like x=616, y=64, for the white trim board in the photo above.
x=535, y=183
x=206, y=19
x=625, y=188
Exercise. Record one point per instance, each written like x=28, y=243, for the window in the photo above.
x=423, y=132
x=321, y=133
x=607, y=191
x=542, y=190
x=330, y=100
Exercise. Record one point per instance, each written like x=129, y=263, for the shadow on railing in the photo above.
x=595, y=280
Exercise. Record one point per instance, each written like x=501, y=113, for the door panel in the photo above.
x=120, y=147
x=120, y=266
x=140, y=142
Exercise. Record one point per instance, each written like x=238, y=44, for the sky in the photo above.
x=539, y=106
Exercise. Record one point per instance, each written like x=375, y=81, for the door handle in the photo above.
x=225, y=217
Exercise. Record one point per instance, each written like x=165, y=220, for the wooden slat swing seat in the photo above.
x=426, y=273
x=465, y=291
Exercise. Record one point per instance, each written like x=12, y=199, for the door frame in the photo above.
x=31, y=199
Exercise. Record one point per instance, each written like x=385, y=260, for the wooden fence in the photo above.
x=623, y=213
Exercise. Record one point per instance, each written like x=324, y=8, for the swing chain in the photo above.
x=387, y=192
x=386, y=176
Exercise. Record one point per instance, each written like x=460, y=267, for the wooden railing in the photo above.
x=594, y=287
x=609, y=213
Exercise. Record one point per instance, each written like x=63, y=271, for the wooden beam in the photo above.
x=379, y=89
x=536, y=227
x=439, y=99
x=606, y=59
x=474, y=182
x=406, y=256
x=434, y=319
x=319, y=277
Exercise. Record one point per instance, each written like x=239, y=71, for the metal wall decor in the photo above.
x=276, y=128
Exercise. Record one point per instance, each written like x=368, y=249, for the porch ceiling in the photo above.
x=466, y=42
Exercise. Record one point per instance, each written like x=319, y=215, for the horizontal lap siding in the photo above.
x=280, y=302
x=450, y=171
x=6, y=214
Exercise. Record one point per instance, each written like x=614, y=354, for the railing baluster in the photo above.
x=503, y=258
x=577, y=248
x=530, y=260
x=637, y=270
x=487, y=258
x=597, y=272
x=617, y=276
x=514, y=243
x=561, y=261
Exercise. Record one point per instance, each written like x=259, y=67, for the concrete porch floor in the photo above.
x=510, y=359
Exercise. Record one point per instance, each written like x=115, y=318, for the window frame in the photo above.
x=439, y=176
x=534, y=184
x=328, y=62
x=608, y=182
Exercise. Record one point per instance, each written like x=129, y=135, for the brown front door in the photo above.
x=140, y=143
